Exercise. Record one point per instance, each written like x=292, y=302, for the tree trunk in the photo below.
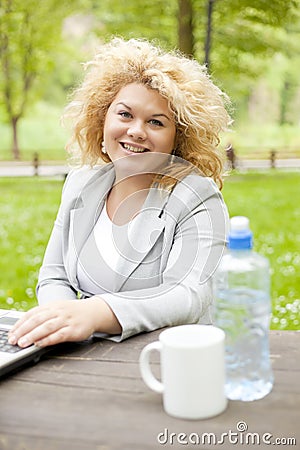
x=284, y=98
x=15, y=145
x=185, y=27
x=207, y=46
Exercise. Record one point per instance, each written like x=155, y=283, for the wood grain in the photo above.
x=91, y=397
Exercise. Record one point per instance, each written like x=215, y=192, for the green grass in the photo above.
x=27, y=210
x=271, y=200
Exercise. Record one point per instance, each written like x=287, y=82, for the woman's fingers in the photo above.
x=34, y=325
x=23, y=319
x=51, y=324
x=34, y=329
x=61, y=335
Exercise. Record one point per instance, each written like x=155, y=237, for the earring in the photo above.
x=173, y=156
x=103, y=148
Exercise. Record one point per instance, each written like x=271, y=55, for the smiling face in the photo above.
x=138, y=121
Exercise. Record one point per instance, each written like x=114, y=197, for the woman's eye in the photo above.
x=125, y=114
x=156, y=122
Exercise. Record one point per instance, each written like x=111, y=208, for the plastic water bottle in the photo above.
x=243, y=310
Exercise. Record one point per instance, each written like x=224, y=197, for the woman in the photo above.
x=136, y=240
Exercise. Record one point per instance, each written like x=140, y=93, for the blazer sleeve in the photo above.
x=56, y=280
x=53, y=273
x=185, y=292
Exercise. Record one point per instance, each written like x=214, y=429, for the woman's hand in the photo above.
x=62, y=321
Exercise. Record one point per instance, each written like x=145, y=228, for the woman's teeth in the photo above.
x=134, y=149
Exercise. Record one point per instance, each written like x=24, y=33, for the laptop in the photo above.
x=13, y=357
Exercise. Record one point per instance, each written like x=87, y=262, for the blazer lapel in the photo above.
x=83, y=217
x=143, y=233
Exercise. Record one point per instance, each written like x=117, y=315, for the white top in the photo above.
x=104, y=232
x=101, y=254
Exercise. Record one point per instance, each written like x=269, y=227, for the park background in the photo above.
x=251, y=50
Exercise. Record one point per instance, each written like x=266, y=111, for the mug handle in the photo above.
x=145, y=369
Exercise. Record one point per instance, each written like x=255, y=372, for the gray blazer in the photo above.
x=171, y=252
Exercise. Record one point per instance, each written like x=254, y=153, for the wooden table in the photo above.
x=91, y=397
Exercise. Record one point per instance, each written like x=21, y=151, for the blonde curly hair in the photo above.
x=198, y=105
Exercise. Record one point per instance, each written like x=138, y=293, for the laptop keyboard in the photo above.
x=5, y=346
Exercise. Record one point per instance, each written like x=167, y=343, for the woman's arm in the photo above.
x=53, y=270
x=62, y=321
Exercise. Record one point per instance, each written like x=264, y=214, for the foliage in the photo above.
x=245, y=37
x=153, y=20
x=30, y=35
x=28, y=207
x=248, y=39
x=40, y=132
x=244, y=34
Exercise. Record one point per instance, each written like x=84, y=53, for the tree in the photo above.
x=290, y=75
x=207, y=46
x=234, y=39
x=155, y=20
x=230, y=37
x=242, y=36
x=30, y=34
x=185, y=27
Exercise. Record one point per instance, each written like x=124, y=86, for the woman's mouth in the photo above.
x=134, y=148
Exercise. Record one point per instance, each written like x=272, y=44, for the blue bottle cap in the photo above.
x=240, y=235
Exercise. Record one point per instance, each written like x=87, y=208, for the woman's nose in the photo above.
x=137, y=130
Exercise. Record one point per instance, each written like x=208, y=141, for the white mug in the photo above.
x=192, y=359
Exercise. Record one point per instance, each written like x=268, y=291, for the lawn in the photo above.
x=28, y=207
x=271, y=201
